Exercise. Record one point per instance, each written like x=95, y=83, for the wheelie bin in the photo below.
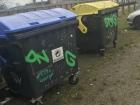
x=41, y=48
x=98, y=23
x=3, y=63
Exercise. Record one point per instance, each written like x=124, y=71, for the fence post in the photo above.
x=135, y=4
x=128, y=5
x=123, y=6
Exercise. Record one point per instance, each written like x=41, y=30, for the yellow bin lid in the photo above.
x=93, y=7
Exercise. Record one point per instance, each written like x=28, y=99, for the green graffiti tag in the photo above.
x=44, y=75
x=33, y=57
x=110, y=21
x=70, y=59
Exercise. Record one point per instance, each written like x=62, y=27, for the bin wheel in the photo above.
x=73, y=79
x=13, y=93
x=38, y=103
x=114, y=44
x=102, y=52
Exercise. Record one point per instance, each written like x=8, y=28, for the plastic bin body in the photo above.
x=43, y=54
x=99, y=36
x=100, y=19
x=3, y=61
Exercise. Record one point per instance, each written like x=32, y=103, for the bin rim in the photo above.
x=93, y=7
x=33, y=19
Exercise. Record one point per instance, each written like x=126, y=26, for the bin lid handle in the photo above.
x=81, y=26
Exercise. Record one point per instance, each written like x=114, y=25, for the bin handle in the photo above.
x=81, y=26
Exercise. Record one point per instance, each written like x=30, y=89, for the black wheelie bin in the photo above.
x=1, y=66
x=41, y=48
x=98, y=23
x=3, y=61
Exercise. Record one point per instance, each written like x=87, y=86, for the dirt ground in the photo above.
x=110, y=80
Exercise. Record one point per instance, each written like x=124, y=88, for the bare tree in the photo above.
x=49, y=1
x=34, y=1
x=3, y=4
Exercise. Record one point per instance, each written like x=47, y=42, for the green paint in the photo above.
x=33, y=57
x=70, y=58
x=44, y=75
x=110, y=21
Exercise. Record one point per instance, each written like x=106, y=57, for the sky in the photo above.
x=13, y=3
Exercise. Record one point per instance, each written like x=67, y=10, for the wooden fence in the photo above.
x=67, y=5
x=128, y=4
x=34, y=7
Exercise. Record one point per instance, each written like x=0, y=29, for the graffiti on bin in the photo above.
x=110, y=21
x=70, y=58
x=44, y=75
x=33, y=57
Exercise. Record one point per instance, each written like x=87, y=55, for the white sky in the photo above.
x=12, y=3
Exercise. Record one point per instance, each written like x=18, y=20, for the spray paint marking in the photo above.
x=70, y=58
x=33, y=57
x=110, y=21
x=44, y=75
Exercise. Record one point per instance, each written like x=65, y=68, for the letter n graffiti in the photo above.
x=33, y=57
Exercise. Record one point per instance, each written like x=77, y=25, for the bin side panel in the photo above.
x=102, y=31
x=91, y=40
x=109, y=28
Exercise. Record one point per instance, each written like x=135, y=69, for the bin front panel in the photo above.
x=41, y=48
x=48, y=58
x=91, y=40
x=101, y=31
